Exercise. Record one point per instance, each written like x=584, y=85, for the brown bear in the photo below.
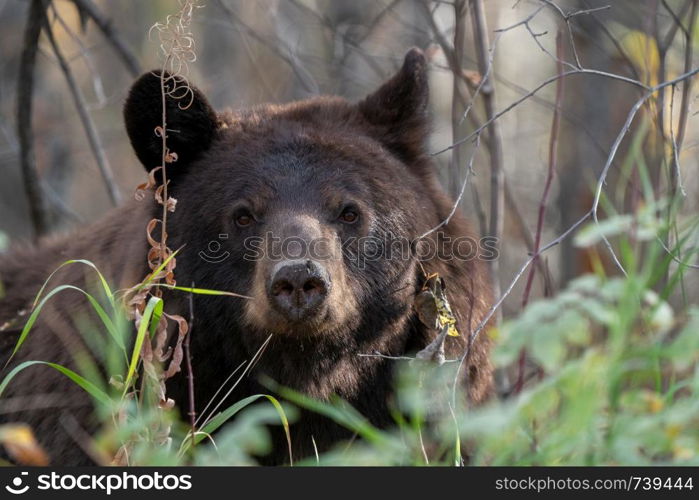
x=297, y=206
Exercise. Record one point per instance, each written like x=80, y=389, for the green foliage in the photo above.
x=619, y=385
x=620, y=388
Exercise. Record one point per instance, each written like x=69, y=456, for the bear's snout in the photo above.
x=298, y=289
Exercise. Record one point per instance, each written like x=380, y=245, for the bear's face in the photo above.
x=309, y=209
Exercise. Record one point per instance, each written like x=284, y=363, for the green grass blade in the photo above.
x=35, y=314
x=229, y=412
x=157, y=270
x=154, y=308
x=226, y=415
x=340, y=412
x=285, y=423
x=85, y=384
x=201, y=291
x=105, y=285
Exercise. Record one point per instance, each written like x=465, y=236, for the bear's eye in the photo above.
x=243, y=219
x=349, y=216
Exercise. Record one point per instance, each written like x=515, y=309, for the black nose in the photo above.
x=298, y=289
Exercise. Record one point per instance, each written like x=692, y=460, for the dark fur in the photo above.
x=289, y=161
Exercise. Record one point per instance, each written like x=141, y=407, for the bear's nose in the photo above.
x=298, y=289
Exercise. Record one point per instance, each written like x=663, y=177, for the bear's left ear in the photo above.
x=398, y=109
x=191, y=122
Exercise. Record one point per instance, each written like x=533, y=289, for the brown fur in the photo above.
x=291, y=162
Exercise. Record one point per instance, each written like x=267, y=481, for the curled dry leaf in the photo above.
x=161, y=351
x=170, y=157
x=149, y=229
x=178, y=353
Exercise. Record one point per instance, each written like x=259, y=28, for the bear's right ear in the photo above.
x=397, y=111
x=191, y=122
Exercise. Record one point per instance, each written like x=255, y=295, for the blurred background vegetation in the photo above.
x=632, y=339
x=281, y=50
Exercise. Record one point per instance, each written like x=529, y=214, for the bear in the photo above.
x=265, y=185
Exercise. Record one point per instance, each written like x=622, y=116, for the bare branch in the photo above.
x=457, y=70
x=676, y=178
x=25, y=135
x=529, y=94
x=497, y=172
x=553, y=160
x=90, y=130
x=304, y=77
x=88, y=8
x=615, y=146
x=192, y=413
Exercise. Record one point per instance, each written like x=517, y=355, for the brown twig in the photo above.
x=514, y=211
x=25, y=135
x=89, y=127
x=553, y=160
x=88, y=8
x=190, y=371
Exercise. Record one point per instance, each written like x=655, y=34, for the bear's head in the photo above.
x=311, y=208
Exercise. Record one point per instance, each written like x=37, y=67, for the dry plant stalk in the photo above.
x=177, y=49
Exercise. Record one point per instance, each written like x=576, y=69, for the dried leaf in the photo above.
x=178, y=354
x=149, y=229
x=171, y=204
x=432, y=306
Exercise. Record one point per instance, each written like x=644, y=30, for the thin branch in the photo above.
x=664, y=44
x=457, y=201
x=192, y=413
x=497, y=172
x=590, y=213
x=553, y=160
x=88, y=8
x=304, y=77
x=615, y=146
x=355, y=44
x=529, y=94
x=514, y=211
x=566, y=18
x=90, y=130
x=459, y=42
x=617, y=45
x=25, y=89
x=677, y=25
x=493, y=309
x=676, y=178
